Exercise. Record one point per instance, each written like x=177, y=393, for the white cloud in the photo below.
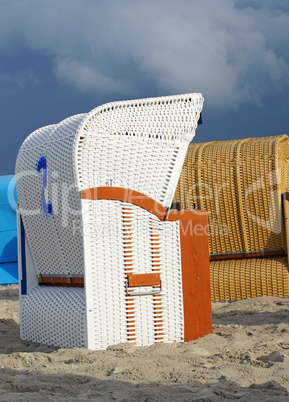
x=18, y=80
x=233, y=52
x=84, y=77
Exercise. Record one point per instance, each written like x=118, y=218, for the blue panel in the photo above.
x=8, y=273
x=8, y=224
x=8, y=246
x=7, y=218
x=8, y=191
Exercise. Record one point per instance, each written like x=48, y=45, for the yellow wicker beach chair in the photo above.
x=240, y=183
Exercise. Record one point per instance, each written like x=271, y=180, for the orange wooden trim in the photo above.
x=150, y=279
x=61, y=281
x=125, y=195
x=195, y=276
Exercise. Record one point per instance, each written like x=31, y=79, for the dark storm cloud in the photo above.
x=234, y=52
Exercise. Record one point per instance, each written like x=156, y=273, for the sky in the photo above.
x=63, y=57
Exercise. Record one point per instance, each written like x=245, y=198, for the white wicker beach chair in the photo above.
x=102, y=260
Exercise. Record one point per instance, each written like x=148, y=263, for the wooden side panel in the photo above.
x=195, y=273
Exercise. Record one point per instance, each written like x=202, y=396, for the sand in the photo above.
x=246, y=358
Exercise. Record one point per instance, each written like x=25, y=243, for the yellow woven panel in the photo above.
x=243, y=279
x=239, y=183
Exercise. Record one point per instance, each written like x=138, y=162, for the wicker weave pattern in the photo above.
x=171, y=272
x=54, y=316
x=243, y=279
x=240, y=183
x=68, y=207
x=62, y=253
x=40, y=229
x=139, y=144
x=107, y=303
x=104, y=275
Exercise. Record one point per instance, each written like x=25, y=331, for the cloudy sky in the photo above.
x=63, y=57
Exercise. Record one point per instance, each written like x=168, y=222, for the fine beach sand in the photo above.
x=246, y=358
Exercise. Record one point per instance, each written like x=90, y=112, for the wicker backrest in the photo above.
x=239, y=183
x=138, y=145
